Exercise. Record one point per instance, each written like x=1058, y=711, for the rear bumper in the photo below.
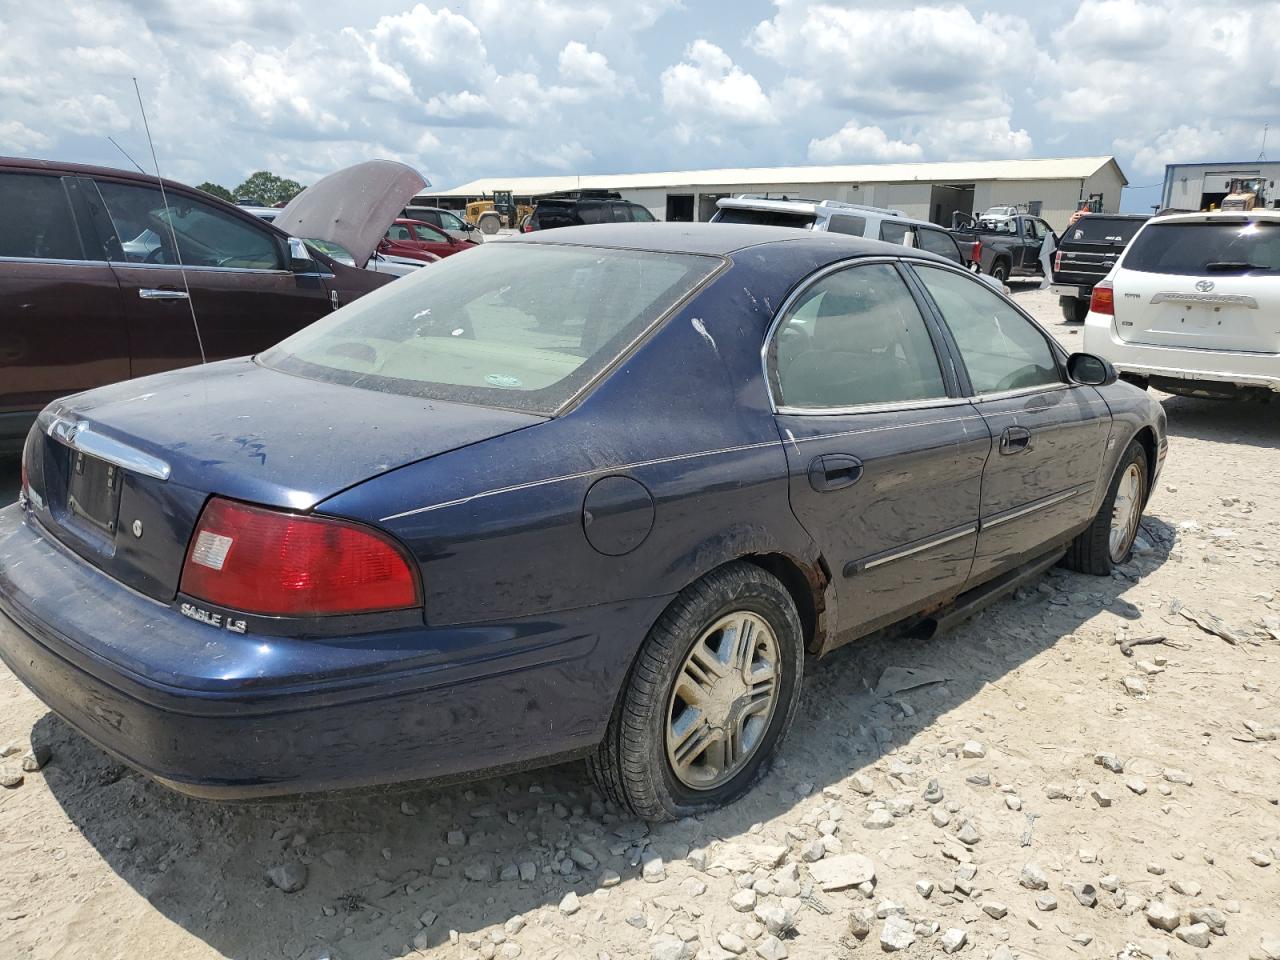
x=1259, y=370
x=502, y=695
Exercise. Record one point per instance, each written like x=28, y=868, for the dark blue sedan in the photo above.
x=590, y=493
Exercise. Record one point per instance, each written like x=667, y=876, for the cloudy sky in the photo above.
x=511, y=87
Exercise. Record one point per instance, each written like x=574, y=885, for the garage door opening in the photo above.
x=680, y=207
x=948, y=198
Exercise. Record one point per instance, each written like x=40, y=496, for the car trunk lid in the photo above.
x=122, y=472
x=1209, y=284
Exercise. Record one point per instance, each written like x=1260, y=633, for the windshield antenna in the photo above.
x=126, y=155
x=168, y=212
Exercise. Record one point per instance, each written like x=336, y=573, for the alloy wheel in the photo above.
x=723, y=700
x=1126, y=513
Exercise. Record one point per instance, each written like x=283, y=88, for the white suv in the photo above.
x=1193, y=306
x=833, y=216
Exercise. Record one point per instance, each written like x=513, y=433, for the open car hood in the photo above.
x=353, y=207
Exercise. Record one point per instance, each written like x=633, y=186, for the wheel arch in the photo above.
x=1147, y=437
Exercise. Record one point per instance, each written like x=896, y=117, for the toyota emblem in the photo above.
x=1204, y=286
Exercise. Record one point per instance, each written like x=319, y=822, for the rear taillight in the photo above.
x=24, y=482
x=256, y=560
x=1057, y=262
x=527, y=228
x=1103, y=300
x=975, y=252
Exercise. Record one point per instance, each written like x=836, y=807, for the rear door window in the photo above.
x=842, y=223
x=207, y=237
x=36, y=222
x=1206, y=248
x=593, y=213
x=641, y=214
x=936, y=241
x=621, y=212
x=854, y=338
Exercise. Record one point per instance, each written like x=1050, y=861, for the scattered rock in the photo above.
x=479, y=872
x=744, y=901
x=777, y=919
x=771, y=948
x=1195, y=934
x=456, y=838
x=939, y=816
x=1136, y=785
x=860, y=924
x=1174, y=775
x=839, y=873
x=664, y=946
x=36, y=758
x=953, y=940
x=1162, y=916
x=289, y=877
x=569, y=904
x=609, y=878
x=1134, y=686
x=1046, y=902
x=973, y=750
x=995, y=909
x=879, y=820
x=654, y=870
x=1110, y=762
x=731, y=942
x=1056, y=791
x=1188, y=888
x=1211, y=917
x=1102, y=798
x=968, y=834
x=1259, y=859
x=1085, y=894
x=1033, y=878
x=932, y=792
x=896, y=934
x=924, y=888
x=10, y=778
x=862, y=784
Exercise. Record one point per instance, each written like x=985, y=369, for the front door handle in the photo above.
x=150, y=293
x=834, y=471
x=1015, y=440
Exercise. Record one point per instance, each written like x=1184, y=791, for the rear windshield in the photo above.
x=1197, y=248
x=765, y=218
x=1095, y=229
x=522, y=326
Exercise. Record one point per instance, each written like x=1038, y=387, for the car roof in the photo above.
x=1208, y=216
x=719, y=239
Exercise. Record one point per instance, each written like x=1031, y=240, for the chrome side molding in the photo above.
x=78, y=435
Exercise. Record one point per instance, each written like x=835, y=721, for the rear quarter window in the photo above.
x=36, y=222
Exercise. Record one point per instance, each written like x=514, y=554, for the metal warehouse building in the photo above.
x=1052, y=189
x=1199, y=186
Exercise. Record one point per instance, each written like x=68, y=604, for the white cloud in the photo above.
x=855, y=144
x=580, y=65
x=17, y=138
x=708, y=85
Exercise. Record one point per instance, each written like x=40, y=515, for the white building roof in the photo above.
x=1064, y=168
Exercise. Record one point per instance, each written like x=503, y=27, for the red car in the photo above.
x=413, y=238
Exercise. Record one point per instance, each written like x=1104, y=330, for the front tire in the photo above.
x=490, y=223
x=1108, y=541
x=710, y=697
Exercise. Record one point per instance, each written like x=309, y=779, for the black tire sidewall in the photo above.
x=1135, y=454
x=764, y=596
x=1000, y=272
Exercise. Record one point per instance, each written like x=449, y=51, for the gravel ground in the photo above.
x=1047, y=796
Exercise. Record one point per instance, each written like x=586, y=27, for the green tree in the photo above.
x=266, y=189
x=221, y=192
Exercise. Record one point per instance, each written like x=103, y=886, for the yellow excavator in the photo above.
x=500, y=210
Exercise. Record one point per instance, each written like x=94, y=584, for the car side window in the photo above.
x=1033, y=229
x=426, y=234
x=853, y=338
x=936, y=241
x=1001, y=348
x=641, y=214
x=449, y=221
x=207, y=237
x=892, y=232
x=593, y=213
x=621, y=212
x=37, y=222
x=842, y=223
x=398, y=231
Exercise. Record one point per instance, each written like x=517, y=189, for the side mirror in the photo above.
x=1091, y=371
x=300, y=258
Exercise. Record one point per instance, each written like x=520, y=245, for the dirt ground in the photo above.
x=1087, y=796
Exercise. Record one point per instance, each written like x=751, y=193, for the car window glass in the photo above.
x=514, y=325
x=593, y=213
x=892, y=232
x=621, y=212
x=207, y=237
x=426, y=234
x=855, y=226
x=36, y=220
x=768, y=218
x=1001, y=348
x=449, y=221
x=398, y=231
x=855, y=337
x=641, y=214
x=935, y=241
x=1033, y=230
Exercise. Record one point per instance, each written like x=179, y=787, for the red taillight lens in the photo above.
x=1103, y=300
x=283, y=564
x=1057, y=262
x=975, y=253
x=527, y=228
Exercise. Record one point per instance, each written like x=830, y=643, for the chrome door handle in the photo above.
x=150, y=293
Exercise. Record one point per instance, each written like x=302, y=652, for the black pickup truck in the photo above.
x=1005, y=247
x=1086, y=253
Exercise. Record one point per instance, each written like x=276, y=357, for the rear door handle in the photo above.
x=834, y=471
x=1015, y=440
x=151, y=293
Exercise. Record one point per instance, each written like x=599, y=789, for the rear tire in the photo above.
x=1108, y=541
x=1074, y=310
x=1000, y=271
x=652, y=760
